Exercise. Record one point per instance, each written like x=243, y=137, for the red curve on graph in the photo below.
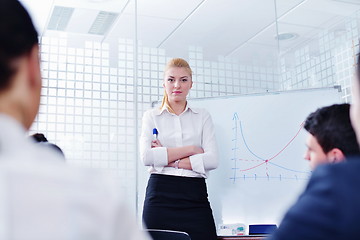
x=267, y=160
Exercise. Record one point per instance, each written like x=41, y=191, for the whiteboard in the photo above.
x=261, y=144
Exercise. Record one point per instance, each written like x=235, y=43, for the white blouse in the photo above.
x=192, y=127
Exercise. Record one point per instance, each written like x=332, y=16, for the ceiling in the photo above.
x=242, y=29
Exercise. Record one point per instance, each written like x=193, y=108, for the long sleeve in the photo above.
x=208, y=160
x=155, y=157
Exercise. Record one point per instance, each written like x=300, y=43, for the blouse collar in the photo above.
x=188, y=107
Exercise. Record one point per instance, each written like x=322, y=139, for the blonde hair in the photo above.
x=175, y=62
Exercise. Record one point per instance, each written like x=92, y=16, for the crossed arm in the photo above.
x=201, y=157
x=179, y=153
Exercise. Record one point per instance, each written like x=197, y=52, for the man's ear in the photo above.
x=335, y=155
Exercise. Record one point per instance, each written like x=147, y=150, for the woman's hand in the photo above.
x=155, y=143
x=182, y=163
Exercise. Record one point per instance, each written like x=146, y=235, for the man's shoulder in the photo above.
x=339, y=179
x=350, y=167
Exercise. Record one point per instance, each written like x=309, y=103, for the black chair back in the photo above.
x=158, y=234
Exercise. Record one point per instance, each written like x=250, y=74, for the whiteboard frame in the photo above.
x=337, y=87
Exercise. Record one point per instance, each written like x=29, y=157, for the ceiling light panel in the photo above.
x=60, y=18
x=103, y=22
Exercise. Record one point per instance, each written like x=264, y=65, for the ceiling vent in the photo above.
x=60, y=18
x=286, y=36
x=103, y=22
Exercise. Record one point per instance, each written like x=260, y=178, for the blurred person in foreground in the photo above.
x=329, y=208
x=41, y=199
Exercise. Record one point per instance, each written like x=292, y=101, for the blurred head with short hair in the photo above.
x=20, y=78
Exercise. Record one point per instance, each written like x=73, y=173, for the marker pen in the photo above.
x=155, y=133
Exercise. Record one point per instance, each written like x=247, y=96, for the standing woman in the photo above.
x=180, y=158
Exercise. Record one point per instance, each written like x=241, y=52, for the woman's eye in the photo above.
x=170, y=79
x=184, y=79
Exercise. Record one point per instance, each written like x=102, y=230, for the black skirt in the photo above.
x=180, y=204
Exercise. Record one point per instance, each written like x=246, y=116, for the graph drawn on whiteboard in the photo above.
x=247, y=164
x=261, y=143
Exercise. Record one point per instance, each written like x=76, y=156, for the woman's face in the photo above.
x=177, y=83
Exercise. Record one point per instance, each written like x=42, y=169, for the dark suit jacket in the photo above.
x=329, y=208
